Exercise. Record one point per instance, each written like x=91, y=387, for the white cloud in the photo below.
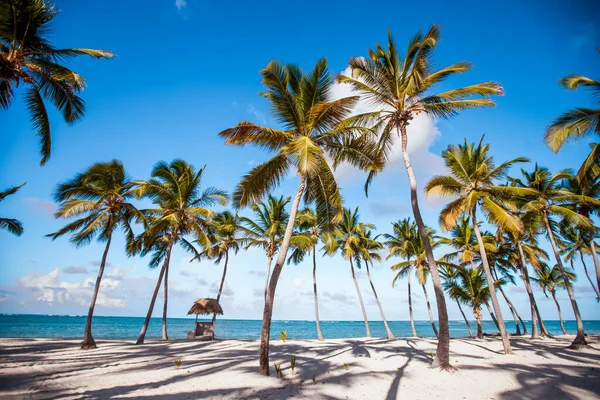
x=180, y=4
x=36, y=204
x=75, y=270
x=260, y=116
x=227, y=291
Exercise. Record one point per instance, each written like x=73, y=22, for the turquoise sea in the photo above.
x=128, y=328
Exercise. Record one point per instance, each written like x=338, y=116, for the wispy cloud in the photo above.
x=180, y=4
x=75, y=270
x=260, y=116
x=36, y=204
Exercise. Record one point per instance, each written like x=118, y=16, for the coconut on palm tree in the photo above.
x=472, y=184
x=312, y=128
x=182, y=210
x=12, y=225
x=348, y=239
x=267, y=228
x=549, y=199
x=223, y=237
x=27, y=58
x=100, y=199
x=401, y=88
x=551, y=279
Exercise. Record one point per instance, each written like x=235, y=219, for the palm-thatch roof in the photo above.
x=206, y=306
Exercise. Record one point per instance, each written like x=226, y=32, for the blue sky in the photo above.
x=186, y=70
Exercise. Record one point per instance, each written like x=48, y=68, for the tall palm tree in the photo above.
x=472, y=182
x=401, y=88
x=312, y=129
x=27, y=57
x=549, y=280
x=181, y=210
x=100, y=199
x=472, y=289
x=12, y=225
x=588, y=185
x=402, y=243
x=348, y=239
x=370, y=248
x=267, y=228
x=574, y=246
x=548, y=199
x=578, y=122
x=224, y=237
x=450, y=274
x=305, y=240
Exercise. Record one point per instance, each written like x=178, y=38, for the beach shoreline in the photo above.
x=335, y=368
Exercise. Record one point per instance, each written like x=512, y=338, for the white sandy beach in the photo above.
x=228, y=369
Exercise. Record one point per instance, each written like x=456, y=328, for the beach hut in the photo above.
x=204, y=330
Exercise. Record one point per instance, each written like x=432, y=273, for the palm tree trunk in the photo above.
x=516, y=317
x=465, y=318
x=155, y=295
x=596, y=263
x=221, y=285
x=88, y=340
x=435, y=331
x=317, y=322
x=385, y=323
x=493, y=316
x=360, y=300
x=410, y=310
x=588, y=275
x=560, y=318
x=442, y=355
x=580, y=338
x=490, y=281
x=532, y=304
x=165, y=336
x=268, y=310
x=543, y=329
x=477, y=313
x=268, y=275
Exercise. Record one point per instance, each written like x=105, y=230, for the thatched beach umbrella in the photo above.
x=205, y=307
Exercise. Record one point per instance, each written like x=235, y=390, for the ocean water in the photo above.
x=128, y=328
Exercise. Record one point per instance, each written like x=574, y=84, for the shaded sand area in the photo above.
x=342, y=369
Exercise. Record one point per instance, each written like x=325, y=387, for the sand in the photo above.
x=333, y=369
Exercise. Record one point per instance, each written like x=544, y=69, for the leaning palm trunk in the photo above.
x=532, y=305
x=88, y=339
x=490, y=282
x=580, y=338
x=596, y=262
x=268, y=275
x=435, y=331
x=317, y=322
x=410, y=310
x=465, y=318
x=165, y=336
x=477, y=313
x=560, y=318
x=221, y=285
x=387, y=327
x=268, y=310
x=491, y=312
x=588, y=275
x=360, y=300
x=156, y=289
x=442, y=355
x=517, y=318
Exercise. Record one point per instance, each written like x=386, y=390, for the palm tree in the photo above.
x=547, y=199
x=472, y=289
x=577, y=123
x=410, y=246
x=472, y=182
x=348, y=239
x=305, y=240
x=223, y=237
x=100, y=199
x=588, y=186
x=26, y=56
x=12, y=225
x=401, y=89
x=450, y=274
x=369, y=251
x=313, y=128
x=549, y=280
x=181, y=211
x=267, y=229
x=402, y=243
x=574, y=246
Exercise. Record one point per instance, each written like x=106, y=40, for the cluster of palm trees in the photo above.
x=314, y=135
